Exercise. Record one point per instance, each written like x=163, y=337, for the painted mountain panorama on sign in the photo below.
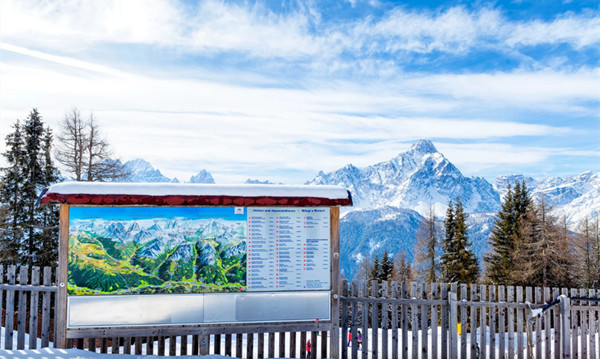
x=152, y=250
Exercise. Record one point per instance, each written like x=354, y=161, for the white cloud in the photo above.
x=174, y=122
x=255, y=31
x=577, y=30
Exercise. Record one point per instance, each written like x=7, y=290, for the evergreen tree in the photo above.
x=386, y=267
x=11, y=196
x=426, y=249
x=459, y=263
x=375, y=272
x=403, y=271
x=31, y=234
x=505, y=233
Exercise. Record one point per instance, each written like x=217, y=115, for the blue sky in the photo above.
x=279, y=90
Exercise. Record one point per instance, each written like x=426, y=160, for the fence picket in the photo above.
x=375, y=319
x=282, y=343
x=33, y=308
x=434, y=320
x=365, y=322
x=354, y=293
x=1, y=301
x=538, y=326
x=574, y=326
x=22, y=309
x=271, y=352
x=424, y=321
x=10, y=308
x=510, y=314
x=404, y=294
x=345, y=330
x=556, y=319
x=395, y=294
x=547, y=325
x=492, y=313
x=528, y=298
x=313, y=340
x=384, y=321
x=473, y=322
x=520, y=344
x=501, y=324
x=482, y=322
x=583, y=325
x=414, y=322
x=292, y=345
x=46, y=306
x=444, y=323
x=303, y=341
x=592, y=326
x=463, y=323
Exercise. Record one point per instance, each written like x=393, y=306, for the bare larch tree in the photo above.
x=84, y=152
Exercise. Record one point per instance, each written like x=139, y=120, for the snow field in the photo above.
x=54, y=353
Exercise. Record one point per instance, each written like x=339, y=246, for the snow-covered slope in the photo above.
x=416, y=179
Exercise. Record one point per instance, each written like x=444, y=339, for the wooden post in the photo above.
x=22, y=308
x=60, y=336
x=334, y=337
x=33, y=308
x=453, y=309
x=46, y=308
x=10, y=309
x=565, y=316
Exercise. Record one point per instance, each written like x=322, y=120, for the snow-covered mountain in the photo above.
x=142, y=171
x=416, y=179
x=391, y=198
x=573, y=198
x=202, y=177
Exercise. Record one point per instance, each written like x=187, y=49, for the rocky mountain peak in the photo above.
x=423, y=147
x=202, y=177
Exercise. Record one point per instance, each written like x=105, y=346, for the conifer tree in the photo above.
x=31, y=234
x=403, y=271
x=386, y=267
x=505, y=233
x=426, y=249
x=459, y=263
x=375, y=272
x=11, y=196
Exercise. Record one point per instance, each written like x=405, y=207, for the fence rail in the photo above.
x=395, y=320
x=415, y=320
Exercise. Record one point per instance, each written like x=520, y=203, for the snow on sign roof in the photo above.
x=175, y=194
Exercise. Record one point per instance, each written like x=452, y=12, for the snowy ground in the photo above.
x=54, y=353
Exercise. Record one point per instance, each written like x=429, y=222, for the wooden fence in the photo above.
x=27, y=306
x=467, y=321
x=395, y=320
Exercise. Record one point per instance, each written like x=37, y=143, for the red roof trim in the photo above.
x=126, y=200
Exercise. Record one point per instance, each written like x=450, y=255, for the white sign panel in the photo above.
x=288, y=249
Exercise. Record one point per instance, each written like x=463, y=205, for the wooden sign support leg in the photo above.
x=60, y=337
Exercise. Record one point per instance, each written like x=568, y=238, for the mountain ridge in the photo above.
x=392, y=197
